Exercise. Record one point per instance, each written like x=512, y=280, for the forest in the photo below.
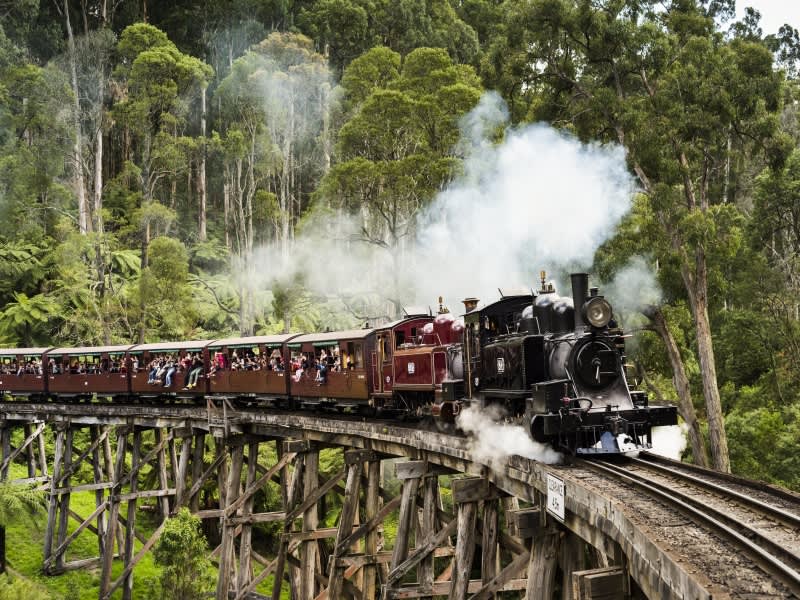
x=197, y=169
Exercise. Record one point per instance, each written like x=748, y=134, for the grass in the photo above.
x=25, y=543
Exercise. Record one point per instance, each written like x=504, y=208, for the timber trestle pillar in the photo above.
x=456, y=536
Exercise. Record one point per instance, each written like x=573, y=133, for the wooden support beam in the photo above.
x=316, y=494
x=465, y=549
x=161, y=467
x=61, y=548
x=130, y=527
x=443, y=588
x=63, y=501
x=183, y=465
x=76, y=464
x=8, y=454
x=421, y=551
x=473, y=489
x=245, y=538
x=113, y=516
x=599, y=584
x=369, y=526
x=254, y=486
x=98, y=436
x=543, y=563
x=52, y=507
x=309, y=550
x=220, y=458
x=430, y=503
x=226, y=555
x=197, y=467
x=408, y=510
x=491, y=526
x=291, y=493
x=571, y=559
x=9, y=457
x=495, y=584
x=371, y=504
x=126, y=572
x=346, y=519
x=30, y=455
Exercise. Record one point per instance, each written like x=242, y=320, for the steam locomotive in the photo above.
x=551, y=363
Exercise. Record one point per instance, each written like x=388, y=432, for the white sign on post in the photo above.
x=555, y=497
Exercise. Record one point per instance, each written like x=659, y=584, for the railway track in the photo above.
x=762, y=521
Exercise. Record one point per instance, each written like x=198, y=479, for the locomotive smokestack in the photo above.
x=580, y=291
x=470, y=304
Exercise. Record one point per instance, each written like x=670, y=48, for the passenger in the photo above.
x=151, y=377
x=322, y=373
x=194, y=375
x=170, y=372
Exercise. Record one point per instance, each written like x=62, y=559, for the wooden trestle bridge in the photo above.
x=598, y=551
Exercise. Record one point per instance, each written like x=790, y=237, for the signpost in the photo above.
x=555, y=497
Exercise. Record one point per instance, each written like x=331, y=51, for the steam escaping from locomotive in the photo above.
x=539, y=199
x=491, y=440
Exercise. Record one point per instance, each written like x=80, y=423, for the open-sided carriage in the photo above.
x=84, y=372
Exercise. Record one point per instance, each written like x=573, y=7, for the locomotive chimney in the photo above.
x=470, y=304
x=580, y=291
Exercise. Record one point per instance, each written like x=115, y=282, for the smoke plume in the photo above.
x=492, y=441
x=540, y=199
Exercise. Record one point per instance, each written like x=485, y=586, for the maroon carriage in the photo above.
x=332, y=366
x=391, y=338
x=423, y=367
x=85, y=371
x=151, y=365
x=21, y=371
x=252, y=366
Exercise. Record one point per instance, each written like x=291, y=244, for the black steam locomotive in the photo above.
x=557, y=364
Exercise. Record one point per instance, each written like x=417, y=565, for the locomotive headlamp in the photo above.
x=597, y=311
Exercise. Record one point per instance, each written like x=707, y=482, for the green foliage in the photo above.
x=18, y=502
x=764, y=444
x=181, y=551
x=21, y=589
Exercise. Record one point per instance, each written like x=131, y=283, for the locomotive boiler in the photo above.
x=557, y=365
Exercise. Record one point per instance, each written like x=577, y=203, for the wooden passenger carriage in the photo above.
x=85, y=371
x=352, y=382
x=145, y=353
x=252, y=383
x=24, y=384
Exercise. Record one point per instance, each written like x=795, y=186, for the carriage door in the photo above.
x=379, y=360
x=386, y=366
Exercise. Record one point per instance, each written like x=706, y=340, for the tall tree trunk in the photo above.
x=84, y=220
x=202, y=233
x=708, y=372
x=681, y=382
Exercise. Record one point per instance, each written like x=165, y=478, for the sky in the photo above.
x=774, y=13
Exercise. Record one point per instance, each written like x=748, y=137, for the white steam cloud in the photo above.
x=492, y=441
x=633, y=287
x=540, y=199
x=669, y=441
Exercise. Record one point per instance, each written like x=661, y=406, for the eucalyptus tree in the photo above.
x=397, y=148
x=679, y=96
x=273, y=145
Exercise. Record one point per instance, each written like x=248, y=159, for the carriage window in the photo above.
x=387, y=349
x=359, y=358
x=400, y=338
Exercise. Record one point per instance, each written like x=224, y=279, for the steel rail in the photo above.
x=760, y=486
x=766, y=554
x=773, y=512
